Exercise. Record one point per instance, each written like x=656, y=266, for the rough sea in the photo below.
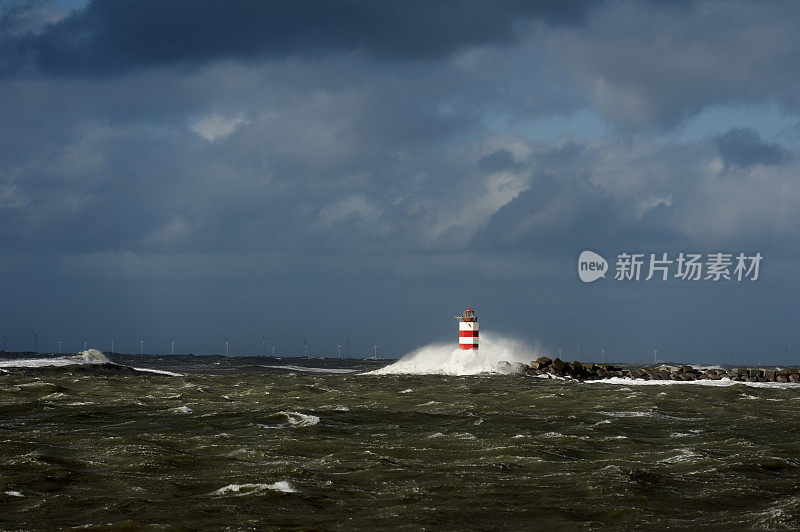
x=191, y=442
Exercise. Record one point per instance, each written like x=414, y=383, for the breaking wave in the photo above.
x=292, y=419
x=304, y=369
x=497, y=354
x=627, y=381
x=250, y=489
x=90, y=356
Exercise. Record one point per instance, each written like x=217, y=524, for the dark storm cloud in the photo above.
x=744, y=147
x=116, y=35
x=373, y=155
x=655, y=64
x=497, y=161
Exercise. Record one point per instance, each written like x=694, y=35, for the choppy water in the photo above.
x=252, y=443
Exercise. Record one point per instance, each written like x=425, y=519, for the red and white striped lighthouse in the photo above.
x=468, y=330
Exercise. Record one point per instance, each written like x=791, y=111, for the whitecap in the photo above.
x=683, y=455
x=702, y=382
x=90, y=356
x=250, y=488
x=182, y=410
x=13, y=493
x=294, y=419
x=159, y=371
x=305, y=369
x=629, y=414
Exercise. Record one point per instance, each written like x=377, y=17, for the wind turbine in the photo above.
x=264, y=344
x=112, y=345
x=375, y=351
x=5, y=341
x=59, y=347
x=348, y=343
x=273, y=350
x=172, y=345
x=35, y=342
x=141, y=346
x=340, y=351
x=655, y=354
x=227, y=347
x=603, y=356
x=85, y=345
x=305, y=346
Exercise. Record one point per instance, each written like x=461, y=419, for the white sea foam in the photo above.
x=294, y=419
x=704, y=382
x=13, y=493
x=90, y=356
x=182, y=410
x=444, y=359
x=250, y=489
x=682, y=455
x=159, y=371
x=304, y=369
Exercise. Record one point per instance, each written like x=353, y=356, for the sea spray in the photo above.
x=447, y=359
x=88, y=357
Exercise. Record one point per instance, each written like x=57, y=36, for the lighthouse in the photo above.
x=467, y=330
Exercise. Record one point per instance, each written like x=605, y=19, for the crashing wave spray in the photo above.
x=443, y=359
x=90, y=356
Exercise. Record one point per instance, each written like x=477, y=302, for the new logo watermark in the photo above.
x=663, y=266
x=591, y=266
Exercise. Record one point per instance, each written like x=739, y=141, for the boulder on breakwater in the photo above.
x=545, y=366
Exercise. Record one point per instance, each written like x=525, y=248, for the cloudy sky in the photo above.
x=210, y=169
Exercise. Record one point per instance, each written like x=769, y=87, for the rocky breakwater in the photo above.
x=546, y=367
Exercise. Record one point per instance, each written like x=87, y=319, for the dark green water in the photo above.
x=103, y=448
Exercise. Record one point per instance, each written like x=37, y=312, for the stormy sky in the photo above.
x=230, y=169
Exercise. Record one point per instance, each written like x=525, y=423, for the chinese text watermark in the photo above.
x=663, y=266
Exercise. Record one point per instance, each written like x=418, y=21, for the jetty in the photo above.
x=557, y=368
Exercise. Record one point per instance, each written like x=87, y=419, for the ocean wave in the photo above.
x=305, y=369
x=88, y=357
x=158, y=371
x=682, y=455
x=240, y=490
x=703, y=382
x=293, y=419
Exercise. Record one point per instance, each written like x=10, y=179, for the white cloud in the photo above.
x=214, y=126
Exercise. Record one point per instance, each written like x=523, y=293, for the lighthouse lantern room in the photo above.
x=467, y=330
